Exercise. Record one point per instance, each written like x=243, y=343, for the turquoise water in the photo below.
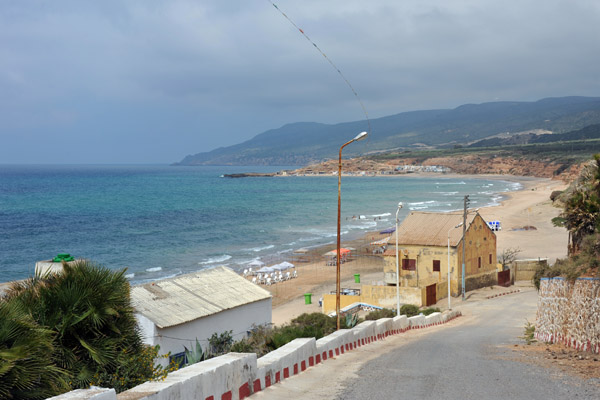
x=161, y=221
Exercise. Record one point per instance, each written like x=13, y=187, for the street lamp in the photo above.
x=457, y=226
x=358, y=137
x=397, y=265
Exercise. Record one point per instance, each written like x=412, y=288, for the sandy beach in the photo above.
x=530, y=206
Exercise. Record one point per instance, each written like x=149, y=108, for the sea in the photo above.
x=160, y=221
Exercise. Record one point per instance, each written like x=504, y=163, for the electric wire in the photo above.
x=330, y=62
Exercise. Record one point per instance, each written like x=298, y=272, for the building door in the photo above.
x=431, y=297
x=504, y=278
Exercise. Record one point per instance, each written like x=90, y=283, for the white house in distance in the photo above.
x=174, y=312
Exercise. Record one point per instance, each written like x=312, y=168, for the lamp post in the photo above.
x=457, y=226
x=358, y=137
x=397, y=265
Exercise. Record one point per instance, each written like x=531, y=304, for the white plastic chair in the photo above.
x=254, y=280
x=268, y=281
x=295, y=274
x=245, y=272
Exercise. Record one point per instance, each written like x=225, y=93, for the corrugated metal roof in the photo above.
x=188, y=297
x=430, y=229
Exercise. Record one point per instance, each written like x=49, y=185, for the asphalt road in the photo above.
x=472, y=357
x=474, y=360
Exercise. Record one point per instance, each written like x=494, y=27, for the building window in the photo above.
x=478, y=262
x=409, y=264
x=490, y=258
x=436, y=265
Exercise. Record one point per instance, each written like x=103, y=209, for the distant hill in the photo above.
x=589, y=132
x=307, y=142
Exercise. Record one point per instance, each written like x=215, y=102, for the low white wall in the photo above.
x=333, y=345
x=416, y=322
x=231, y=375
x=401, y=323
x=286, y=361
x=87, y=394
x=238, y=375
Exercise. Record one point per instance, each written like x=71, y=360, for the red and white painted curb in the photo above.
x=503, y=294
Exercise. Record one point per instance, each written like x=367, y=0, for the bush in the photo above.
x=26, y=367
x=383, y=313
x=409, y=310
x=219, y=344
x=87, y=308
x=430, y=310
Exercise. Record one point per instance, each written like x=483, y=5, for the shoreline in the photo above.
x=530, y=205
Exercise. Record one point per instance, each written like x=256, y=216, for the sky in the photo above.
x=151, y=81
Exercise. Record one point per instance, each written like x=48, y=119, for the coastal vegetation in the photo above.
x=581, y=217
x=70, y=330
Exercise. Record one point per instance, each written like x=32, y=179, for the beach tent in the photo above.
x=266, y=269
x=334, y=252
x=388, y=231
x=381, y=242
x=256, y=264
x=282, y=266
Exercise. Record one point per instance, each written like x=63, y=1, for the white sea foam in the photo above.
x=420, y=203
x=415, y=208
x=154, y=269
x=451, y=183
x=129, y=276
x=381, y=215
x=214, y=260
x=257, y=249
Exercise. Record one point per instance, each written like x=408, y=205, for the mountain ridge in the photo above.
x=301, y=143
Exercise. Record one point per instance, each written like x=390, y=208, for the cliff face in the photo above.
x=466, y=164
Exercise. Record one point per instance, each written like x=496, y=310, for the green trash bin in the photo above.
x=307, y=298
x=356, y=278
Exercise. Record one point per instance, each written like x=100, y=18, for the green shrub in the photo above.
x=430, y=310
x=383, y=313
x=26, y=367
x=529, y=333
x=88, y=309
x=219, y=344
x=409, y=310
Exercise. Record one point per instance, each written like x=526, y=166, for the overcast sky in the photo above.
x=150, y=81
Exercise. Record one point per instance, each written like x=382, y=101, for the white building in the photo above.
x=174, y=312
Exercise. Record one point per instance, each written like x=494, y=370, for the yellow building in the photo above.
x=423, y=253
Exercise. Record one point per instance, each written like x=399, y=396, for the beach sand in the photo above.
x=530, y=206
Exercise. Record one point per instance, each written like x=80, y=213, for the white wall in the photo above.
x=239, y=320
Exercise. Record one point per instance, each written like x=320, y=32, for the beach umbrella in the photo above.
x=256, y=263
x=282, y=266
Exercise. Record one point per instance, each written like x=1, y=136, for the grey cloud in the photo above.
x=194, y=75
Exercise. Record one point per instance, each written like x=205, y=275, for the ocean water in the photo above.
x=160, y=221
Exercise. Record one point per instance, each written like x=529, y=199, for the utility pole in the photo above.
x=464, y=244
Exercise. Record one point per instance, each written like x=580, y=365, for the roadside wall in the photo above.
x=236, y=376
x=569, y=313
x=524, y=270
x=382, y=296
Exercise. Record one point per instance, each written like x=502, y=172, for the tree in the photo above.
x=581, y=212
x=26, y=368
x=508, y=256
x=88, y=309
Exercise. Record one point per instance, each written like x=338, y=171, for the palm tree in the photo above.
x=581, y=214
x=26, y=368
x=88, y=308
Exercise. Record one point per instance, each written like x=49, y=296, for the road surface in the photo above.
x=472, y=357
